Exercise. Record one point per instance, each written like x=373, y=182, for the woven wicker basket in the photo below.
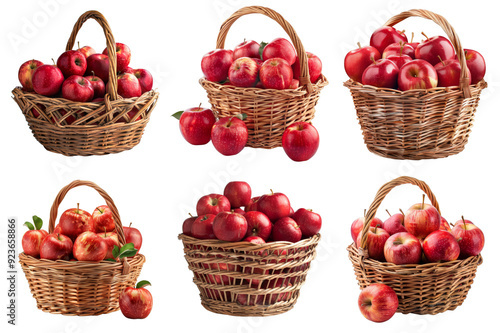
x=422, y=288
x=266, y=278
x=418, y=124
x=97, y=128
x=78, y=287
x=269, y=111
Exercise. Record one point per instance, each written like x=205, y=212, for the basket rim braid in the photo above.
x=90, y=128
x=81, y=288
x=245, y=279
x=427, y=288
x=269, y=111
x=421, y=123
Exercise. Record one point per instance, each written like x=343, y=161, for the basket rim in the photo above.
x=139, y=258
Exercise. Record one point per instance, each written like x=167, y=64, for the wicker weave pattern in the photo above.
x=422, y=288
x=223, y=270
x=77, y=287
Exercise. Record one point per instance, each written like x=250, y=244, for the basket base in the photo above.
x=417, y=155
x=236, y=310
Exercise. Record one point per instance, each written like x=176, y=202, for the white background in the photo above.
x=157, y=183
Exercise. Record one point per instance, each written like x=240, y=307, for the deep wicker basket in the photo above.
x=97, y=128
x=80, y=288
x=269, y=111
x=243, y=279
x=429, y=288
x=418, y=124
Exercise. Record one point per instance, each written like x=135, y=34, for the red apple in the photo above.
x=238, y=193
x=57, y=229
x=378, y=302
x=186, y=226
x=47, y=80
x=399, y=49
x=470, y=238
x=202, y=227
x=254, y=240
x=274, y=205
x=383, y=73
x=247, y=48
x=72, y=63
x=134, y=236
x=279, y=48
x=89, y=247
x=111, y=240
x=87, y=51
x=75, y=221
x=309, y=222
x=476, y=65
x=435, y=49
x=123, y=55
x=102, y=219
x=128, y=86
x=32, y=240
x=399, y=60
x=295, y=84
x=444, y=225
x=229, y=135
x=258, y=225
x=440, y=246
x=97, y=85
x=78, y=89
x=215, y=64
x=403, y=248
x=314, y=64
x=375, y=242
x=422, y=219
x=276, y=73
x=300, y=141
x=136, y=303
x=239, y=211
x=212, y=204
x=385, y=36
x=417, y=74
x=99, y=65
x=356, y=61
x=243, y=72
x=252, y=205
x=56, y=247
x=357, y=226
x=394, y=224
x=448, y=72
x=229, y=226
x=25, y=73
x=144, y=77
x=286, y=229
x=196, y=125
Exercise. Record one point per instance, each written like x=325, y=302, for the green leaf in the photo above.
x=261, y=48
x=142, y=283
x=128, y=253
x=38, y=222
x=241, y=116
x=128, y=246
x=177, y=115
x=116, y=251
x=29, y=225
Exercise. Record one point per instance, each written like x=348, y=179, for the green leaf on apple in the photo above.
x=177, y=115
x=128, y=246
x=38, y=222
x=241, y=116
x=143, y=283
x=116, y=251
x=128, y=253
x=29, y=225
x=261, y=48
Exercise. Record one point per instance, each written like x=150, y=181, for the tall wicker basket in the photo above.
x=80, y=288
x=269, y=111
x=418, y=124
x=429, y=288
x=96, y=128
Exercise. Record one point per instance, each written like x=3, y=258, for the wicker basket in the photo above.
x=418, y=124
x=269, y=111
x=429, y=288
x=97, y=128
x=78, y=287
x=266, y=278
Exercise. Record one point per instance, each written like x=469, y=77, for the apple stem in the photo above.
x=423, y=200
x=359, y=45
x=54, y=62
x=199, y=106
x=412, y=34
x=78, y=208
x=388, y=212
x=373, y=60
x=402, y=32
x=423, y=33
x=442, y=62
x=402, y=212
x=93, y=75
x=130, y=225
x=401, y=48
x=272, y=193
x=188, y=213
x=465, y=224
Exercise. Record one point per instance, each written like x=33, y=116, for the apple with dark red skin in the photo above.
x=238, y=210
x=136, y=303
x=309, y=222
x=56, y=247
x=444, y=225
x=280, y=48
x=378, y=302
x=186, y=225
x=314, y=64
x=238, y=193
x=144, y=77
x=102, y=219
x=276, y=73
x=243, y=72
x=399, y=60
x=254, y=240
x=32, y=240
x=274, y=205
x=75, y=221
x=403, y=248
x=123, y=55
x=25, y=73
x=57, y=229
x=134, y=236
x=229, y=135
x=417, y=74
x=356, y=61
x=394, y=224
x=212, y=204
x=99, y=65
x=247, y=48
x=382, y=73
x=295, y=84
x=357, y=226
x=87, y=51
x=300, y=141
x=97, y=85
x=196, y=125
x=435, y=49
x=286, y=229
x=375, y=242
x=448, y=72
x=89, y=246
x=230, y=226
x=440, y=246
x=476, y=64
x=470, y=238
x=252, y=205
x=202, y=227
x=422, y=219
x=47, y=80
x=385, y=36
x=258, y=225
x=215, y=64
x=111, y=240
x=78, y=89
x=127, y=86
x=72, y=63
x=399, y=49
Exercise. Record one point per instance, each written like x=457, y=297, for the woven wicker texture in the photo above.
x=78, y=287
x=96, y=128
x=266, y=278
x=269, y=111
x=418, y=124
x=429, y=288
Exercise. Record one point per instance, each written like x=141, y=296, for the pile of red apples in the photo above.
x=392, y=62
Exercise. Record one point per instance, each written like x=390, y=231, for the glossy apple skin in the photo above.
x=357, y=226
x=75, y=221
x=417, y=74
x=276, y=73
x=32, y=240
x=212, y=204
x=87, y=51
x=434, y=48
x=378, y=302
x=78, y=89
x=280, y=48
x=398, y=49
x=25, y=73
x=97, y=85
x=258, y=225
x=202, y=227
x=356, y=61
x=403, y=248
x=47, y=80
x=230, y=227
x=448, y=72
x=238, y=193
x=187, y=224
x=99, y=64
x=421, y=221
x=128, y=86
x=375, y=242
x=102, y=219
x=252, y=205
x=215, y=64
x=72, y=63
x=247, y=48
x=274, y=205
x=254, y=240
x=394, y=224
x=294, y=85
x=229, y=135
x=123, y=55
x=315, y=67
x=309, y=222
x=383, y=74
x=440, y=246
x=134, y=236
x=136, y=303
x=243, y=72
x=476, y=64
x=145, y=79
x=89, y=247
x=470, y=238
x=385, y=36
x=400, y=60
x=300, y=141
x=56, y=247
x=111, y=240
x=444, y=225
x=286, y=229
x=196, y=125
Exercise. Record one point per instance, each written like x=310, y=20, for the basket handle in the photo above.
x=301, y=53
x=381, y=194
x=110, y=44
x=452, y=35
